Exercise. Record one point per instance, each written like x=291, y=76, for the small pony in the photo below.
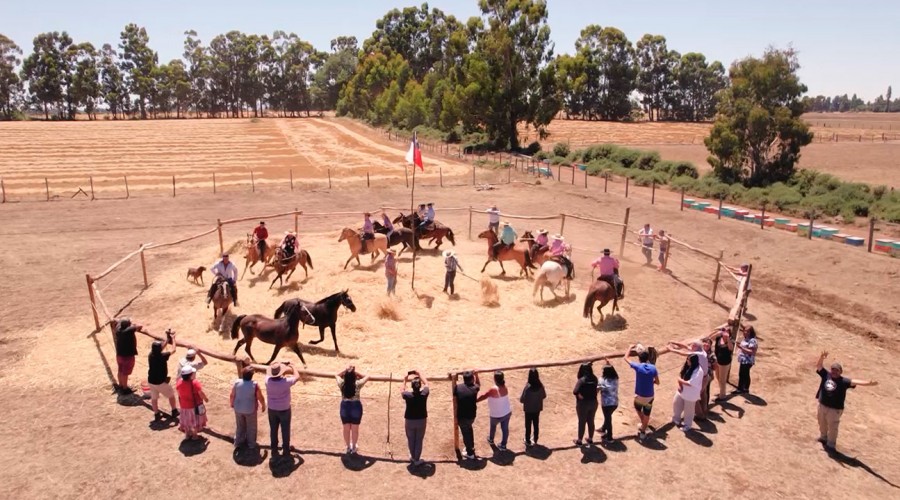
x=195, y=274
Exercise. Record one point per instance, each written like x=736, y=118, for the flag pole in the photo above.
x=412, y=207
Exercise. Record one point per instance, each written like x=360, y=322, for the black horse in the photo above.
x=322, y=313
x=402, y=235
x=435, y=232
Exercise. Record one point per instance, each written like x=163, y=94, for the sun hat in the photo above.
x=275, y=369
x=191, y=353
x=224, y=255
x=542, y=231
x=188, y=370
x=505, y=223
x=606, y=251
x=448, y=253
x=558, y=237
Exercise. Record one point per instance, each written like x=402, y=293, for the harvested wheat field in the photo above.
x=859, y=154
x=72, y=439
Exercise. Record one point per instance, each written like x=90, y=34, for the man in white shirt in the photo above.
x=646, y=238
x=228, y=271
x=190, y=359
x=493, y=219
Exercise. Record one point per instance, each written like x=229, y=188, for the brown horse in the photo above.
x=374, y=246
x=251, y=255
x=399, y=235
x=519, y=253
x=604, y=292
x=221, y=301
x=541, y=255
x=282, y=265
x=280, y=332
x=436, y=233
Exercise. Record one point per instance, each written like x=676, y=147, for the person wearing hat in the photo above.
x=368, y=230
x=558, y=253
x=508, y=238
x=451, y=263
x=831, y=395
x=390, y=271
x=226, y=270
x=387, y=224
x=420, y=213
x=493, y=219
x=158, y=374
x=427, y=219
x=126, y=350
x=289, y=245
x=190, y=359
x=191, y=399
x=246, y=398
x=738, y=273
x=260, y=234
x=609, y=270
x=541, y=241
x=278, y=392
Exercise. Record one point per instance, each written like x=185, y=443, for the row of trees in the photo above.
x=236, y=74
x=842, y=103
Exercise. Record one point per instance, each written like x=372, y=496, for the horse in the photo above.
x=516, y=253
x=376, y=246
x=251, y=257
x=282, y=264
x=436, y=234
x=322, y=313
x=541, y=255
x=221, y=301
x=402, y=235
x=281, y=332
x=604, y=292
x=549, y=275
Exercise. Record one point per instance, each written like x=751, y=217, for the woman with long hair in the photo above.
x=499, y=408
x=687, y=394
x=416, y=415
x=350, y=382
x=609, y=399
x=585, y=392
x=532, y=400
x=746, y=359
x=724, y=350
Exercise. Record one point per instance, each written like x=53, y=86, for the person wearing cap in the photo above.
x=831, y=395
x=466, y=396
x=493, y=219
x=289, y=245
x=427, y=219
x=416, y=415
x=390, y=271
x=260, y=234
x=508, y=238
x=645, y=237
x=278, y=392
x=609, y=270
x=225, y=269
x=191, y=399
x=368, y=230
x=190, y=359
x=246, y=398
x=451, y=263
x=158, y=374
x=558, y=254
x=126, y=350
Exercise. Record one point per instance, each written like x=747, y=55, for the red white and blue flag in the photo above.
x=414, y=155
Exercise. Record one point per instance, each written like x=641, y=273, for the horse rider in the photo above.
x=609, y=270
x=507, y=239
x=428, y=218
x=493, y=219
x=289, y=245
x=260, y=234
x=541, y=242
x=420, y=213
x=388, y=225
x=226, y=270
x=558, y=254
x=368, y=230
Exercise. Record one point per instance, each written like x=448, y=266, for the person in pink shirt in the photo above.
x=609, y=270
x=558, y=251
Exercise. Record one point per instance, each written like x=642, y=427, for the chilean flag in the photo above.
x=414, y=155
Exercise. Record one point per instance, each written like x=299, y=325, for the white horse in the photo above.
x=550, y=275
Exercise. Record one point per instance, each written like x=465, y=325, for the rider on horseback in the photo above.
x=541, y=242
x=609, y=271
x=426, y=219
x=368, y=230
x=507, y=239
x=387, y=224
x=558, y=252
x=289, y=245
x=227, y=271
x=260, y=233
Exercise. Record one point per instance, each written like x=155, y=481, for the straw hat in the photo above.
x=606, y=251
x=188, y=370
x=558, y=237
x=542, y=231
x=505, y=223
x=276, y=369
x=448, y=253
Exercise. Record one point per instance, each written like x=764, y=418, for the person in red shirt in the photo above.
x=260, y=233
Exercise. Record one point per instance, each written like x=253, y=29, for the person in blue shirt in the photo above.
x=646, y=376
x=508, y=238
x=427, y=219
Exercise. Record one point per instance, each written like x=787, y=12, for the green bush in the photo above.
x=683, y=182
x=674, y=169
x=558, y=160
x=601, y=165
x=597, y=152
x=784, y=197
x=541, y=155
x=879, y=191
x=532, y=149
x=646, y=178
x=561, y=149
x=625, y=157
x=647, y=160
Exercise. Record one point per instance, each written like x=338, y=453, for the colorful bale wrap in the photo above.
x=883, y=245
x=840, y=238
x=855, y=241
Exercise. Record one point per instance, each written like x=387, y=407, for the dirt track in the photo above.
x=809, y=295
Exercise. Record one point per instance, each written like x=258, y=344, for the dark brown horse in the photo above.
x=221, y=301
x=283, y=265
x=402, y=235
x=604, y=292
x=322, y=313
x=436, y=232
x=539, y=256
x=280, y=332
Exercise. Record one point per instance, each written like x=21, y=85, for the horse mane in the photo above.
x=330, y=298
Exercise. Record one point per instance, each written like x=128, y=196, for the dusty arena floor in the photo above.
x=66, y=436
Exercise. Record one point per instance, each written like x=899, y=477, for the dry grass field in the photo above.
x=67, y=437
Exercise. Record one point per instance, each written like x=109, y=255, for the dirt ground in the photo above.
x=73, y=440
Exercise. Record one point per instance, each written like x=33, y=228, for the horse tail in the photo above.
x=588, y=303
x=236, y=325
x=309, y=259
x=450, y=236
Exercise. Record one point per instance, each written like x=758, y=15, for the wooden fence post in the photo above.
x=90, y=285
x=762, y=217
x=368, y=184
x=405, y=172
x=144, y=268
x=605, y=181
x=871, y=233
x=473, y=175
x=812, y=218
x=441, y=173
x=252, y=182
x=627, y=182
x=329, y=178
x=127, y=191
x=585, y=178
x=214, y=183
x=682, y=199
x=47, y=187
x=559, y=173
x=653, y=193
x=221, y=241
x=562, y=224
x=91, y=178
x=509, y=174
x=173, y=186
x=718, y=272
x=573, y=174
x=296, y=220
x=470, y=222
x=624, y=232
x=3, y=190
x=292, y=179
x=720, y=206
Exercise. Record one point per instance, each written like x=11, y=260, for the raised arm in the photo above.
x=863, y=383
x=627, y=356
x=821, y=360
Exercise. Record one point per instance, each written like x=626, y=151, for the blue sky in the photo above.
x=844, y=47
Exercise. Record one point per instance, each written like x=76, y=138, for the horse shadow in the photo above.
x=193, y=447
x=224, y=330
x=321, y=351
x=614, y=322
x=423, y=471
x=292, y=286
x=284, y=465
x=559, y=300
x=370, y=268
x=356, y=462
x=508, y=277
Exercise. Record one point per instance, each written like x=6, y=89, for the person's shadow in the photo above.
x=698, y=438
x=538, y=451
x=249, y=457
x=592, y=455
x=848, y=461
x=284, y=465
x=423, y=471
x=356, y=462
x=192, y=447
